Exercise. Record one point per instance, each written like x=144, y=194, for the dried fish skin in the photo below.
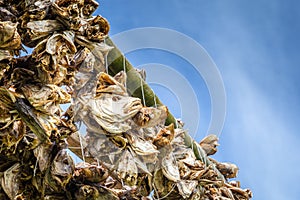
x=9, y=38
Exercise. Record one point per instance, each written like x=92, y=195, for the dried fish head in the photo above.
x=53, y=57
x=9, y=38
x=5, y=116
x=10, y=181
x=62, y=168
x=102, y=148
x=61, y=45
x=229, y=170
x=43, y=155
x=11, y=136
x=7, y=14
x=30, y=140
x=90, y=173
x=108, y=84
x=4, y=55
x=119, y=141
x=150, y=116
x=37, y=31
x=84, y=60
x=186, y=187
x=163, y=187
x=95, y=29
x=88, y=8
x=170, y=168
x=127, y=168
x=44, y=26
x=67, y=8
x=164, y=137
x=111, y=112
x=46, y=98
x=99, y=50
x=209, y=144
x=142, y=147
x=87, y=192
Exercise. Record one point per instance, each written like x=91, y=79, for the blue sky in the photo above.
x=255, y=45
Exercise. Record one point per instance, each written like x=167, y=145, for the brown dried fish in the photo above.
x=209, y=144
x=229, y=170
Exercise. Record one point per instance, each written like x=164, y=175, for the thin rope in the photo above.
x=142, y=88
x=36, y=163
x=124, y=69
x=176, y=123
x=98, y=164
x=105, y=59
x=81, y=146
x=154, y=98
